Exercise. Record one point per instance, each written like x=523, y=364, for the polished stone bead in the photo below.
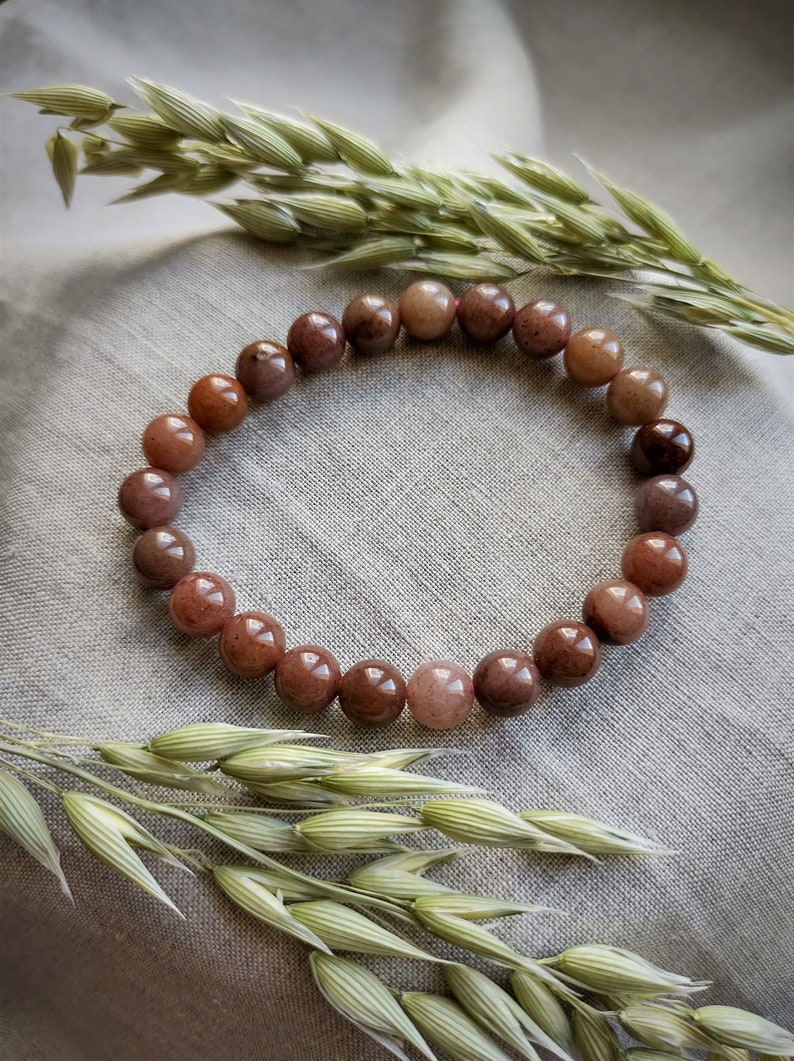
x=371, y=324
x=307, y=678
x=427, y=309
x=616, y=611
x=567, y=653
x=163, y=555
x=174, y=442
x=655, y=562
x=265, y=369
x=506, y=683
x=150, y=497
x=316, y=341
x=662, y=446
x=666, y=503
x=372, y=693
x=593, y=357
x=440, y=694
x=251, y=644
x=218, y=403
x=636, y=396
x=485, y=313
x=542, y=328
x=200, y=604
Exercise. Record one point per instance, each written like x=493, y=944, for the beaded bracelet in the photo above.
x=440, y=694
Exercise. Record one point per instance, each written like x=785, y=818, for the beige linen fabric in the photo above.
x=434, y=502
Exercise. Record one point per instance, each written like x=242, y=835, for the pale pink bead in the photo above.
x=440, y=694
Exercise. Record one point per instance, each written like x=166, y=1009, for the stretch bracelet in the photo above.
x=440, y=694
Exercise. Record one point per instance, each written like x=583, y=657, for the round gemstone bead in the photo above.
x=542, y=328
x=150, y=497
x=662, y=446
x=655, y=562
x=506, y=683
x=307, y=678
x=372, y=693
x=440, y=694
x=636, y=396
x=316, y=341
x=265, y=369
x=427, y=309
x=593, y=357
x=163, y=555
x=666, y=503
x=218, y=403
x=485, y=313
x=251, y=644
x=567, y=653
x=371, y=324
x=200, y=604
x=173, y=442
x=616, y=611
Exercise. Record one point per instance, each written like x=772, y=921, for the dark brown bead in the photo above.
x=655, y=562
x=542, y=328
x=174, y=442
x=440, y=694
x=662, y=446
x=372, y=693
x=567, y=653
x=371, y=324
x=616, y=611
x=200, y=604
x=316, y=341
x=485, y=313
x=666, y=503
x=265, y=370
x=427, y=309
x=163, y=555
x=218, y=403
x=307, y=678
x=636, y=396
x=251, y=644
x=506, y=683
x=150, y=497
x=593, y=357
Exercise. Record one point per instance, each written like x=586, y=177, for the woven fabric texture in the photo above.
x=436, y=502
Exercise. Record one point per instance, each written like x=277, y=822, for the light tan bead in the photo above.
x=427, y=309
x=593, y=357
x=637, y=396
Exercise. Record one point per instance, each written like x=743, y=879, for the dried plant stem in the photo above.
x=315, y=182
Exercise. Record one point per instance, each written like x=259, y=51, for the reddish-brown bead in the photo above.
x=174, y=442
x=440, y=694
x=485, y=313
x=542, y=328
x=218, y=403
x=163, y=555
x=655, y=562
x=265, y=370
x=662, y=447
x=251, y=644
x=567, y=653
x=149, y=497
x=636, y=396
x=316, y=341
x=506, y=683
x=307, y=678
x=200, y=604
x=372, y=693
x=371, y=324
x=616, y=611
x=666, y=503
